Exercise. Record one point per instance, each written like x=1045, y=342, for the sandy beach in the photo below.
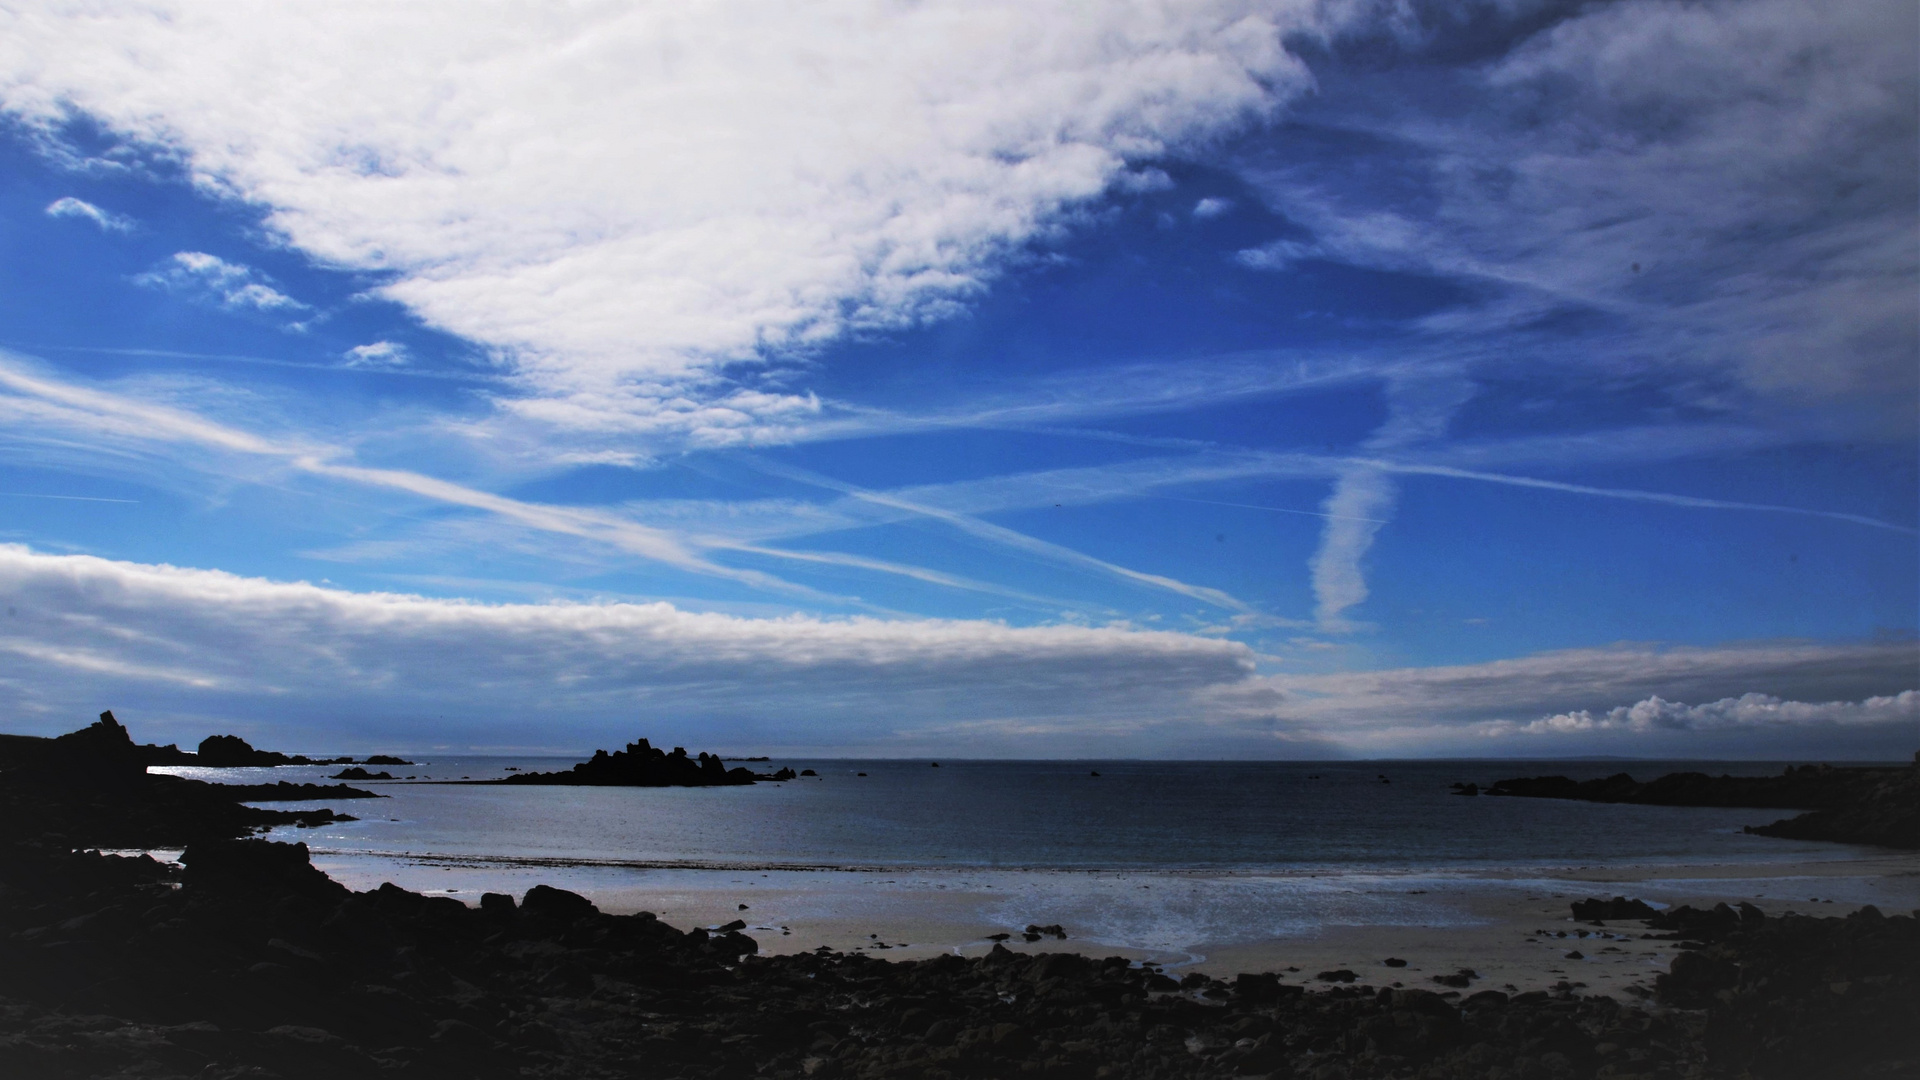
x=1503, y=924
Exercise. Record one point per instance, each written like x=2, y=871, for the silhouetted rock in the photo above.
x=1884, y=810
x=232, y=751
x=90, y=789
x=1860, y=805
x=385, y=759
x=355, y=772
x=1617, y=908
x=642, y=764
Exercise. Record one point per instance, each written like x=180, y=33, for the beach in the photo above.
x=1489, y=920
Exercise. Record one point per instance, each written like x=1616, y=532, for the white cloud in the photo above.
x=1730, y=185
x=70, y=207
x=214, y=280
x=201, y=642
x=379, y=354
x=1453, y=706
x=1211, y=207
x=1745, y=711
x=203, y=650
x=608, y=192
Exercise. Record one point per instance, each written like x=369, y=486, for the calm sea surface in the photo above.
x=1175, y=859
x=1042, y=815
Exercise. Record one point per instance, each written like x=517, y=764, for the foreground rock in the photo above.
x=1859, y=805
x=251, y=963
x=104, y=745
x=91, y=788
x=642, y=764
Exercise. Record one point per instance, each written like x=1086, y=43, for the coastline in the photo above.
x=1316, y=920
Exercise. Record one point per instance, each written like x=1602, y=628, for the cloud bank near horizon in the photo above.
x=186, y=651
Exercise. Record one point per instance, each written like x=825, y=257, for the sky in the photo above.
x=1301, y=379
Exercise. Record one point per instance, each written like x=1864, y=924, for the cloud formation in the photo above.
x=1726, y=187
x=609, y=193
x=213, y=280
x=85, y=632
x=190, y=650
x=1745, y=711
x=70, y=207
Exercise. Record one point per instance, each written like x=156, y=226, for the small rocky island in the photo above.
x=643, y=764
x=1849, y=804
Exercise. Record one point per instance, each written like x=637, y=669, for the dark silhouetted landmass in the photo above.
x=1849, y=804
x=91, y=788
x=1884, y=810
x=642, y=764
x=232, y=751
x=103, y=744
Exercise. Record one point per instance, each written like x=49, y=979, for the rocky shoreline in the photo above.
x=1855, y=805
x=245, y=961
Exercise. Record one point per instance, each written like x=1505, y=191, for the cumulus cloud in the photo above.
x=70, y=207
x=378, y=354
x=213, y=280
x=1745, y=711
x=608, y=192
x=1453, y=707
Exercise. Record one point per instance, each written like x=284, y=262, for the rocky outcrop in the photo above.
x=1796, y=996
x=1860, y=805
x=642, y=764
x=1884, y=811
x=100, y=747
x=1617, y=908
x=90, y=788
x=232, y=751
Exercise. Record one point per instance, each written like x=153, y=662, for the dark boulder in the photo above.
x=1617, y=908
x=257, y=865
x=549, y=902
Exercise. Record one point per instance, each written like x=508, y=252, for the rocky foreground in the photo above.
x=1856, y=805
x=247, y=962
x=251, y=963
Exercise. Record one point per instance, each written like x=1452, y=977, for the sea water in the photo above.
x=1159, y=856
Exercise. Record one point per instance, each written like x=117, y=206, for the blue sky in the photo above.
x=1220, y=380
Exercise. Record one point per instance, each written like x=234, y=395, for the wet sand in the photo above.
x=1502, y=924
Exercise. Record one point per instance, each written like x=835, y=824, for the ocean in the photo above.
x=1162, y=858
